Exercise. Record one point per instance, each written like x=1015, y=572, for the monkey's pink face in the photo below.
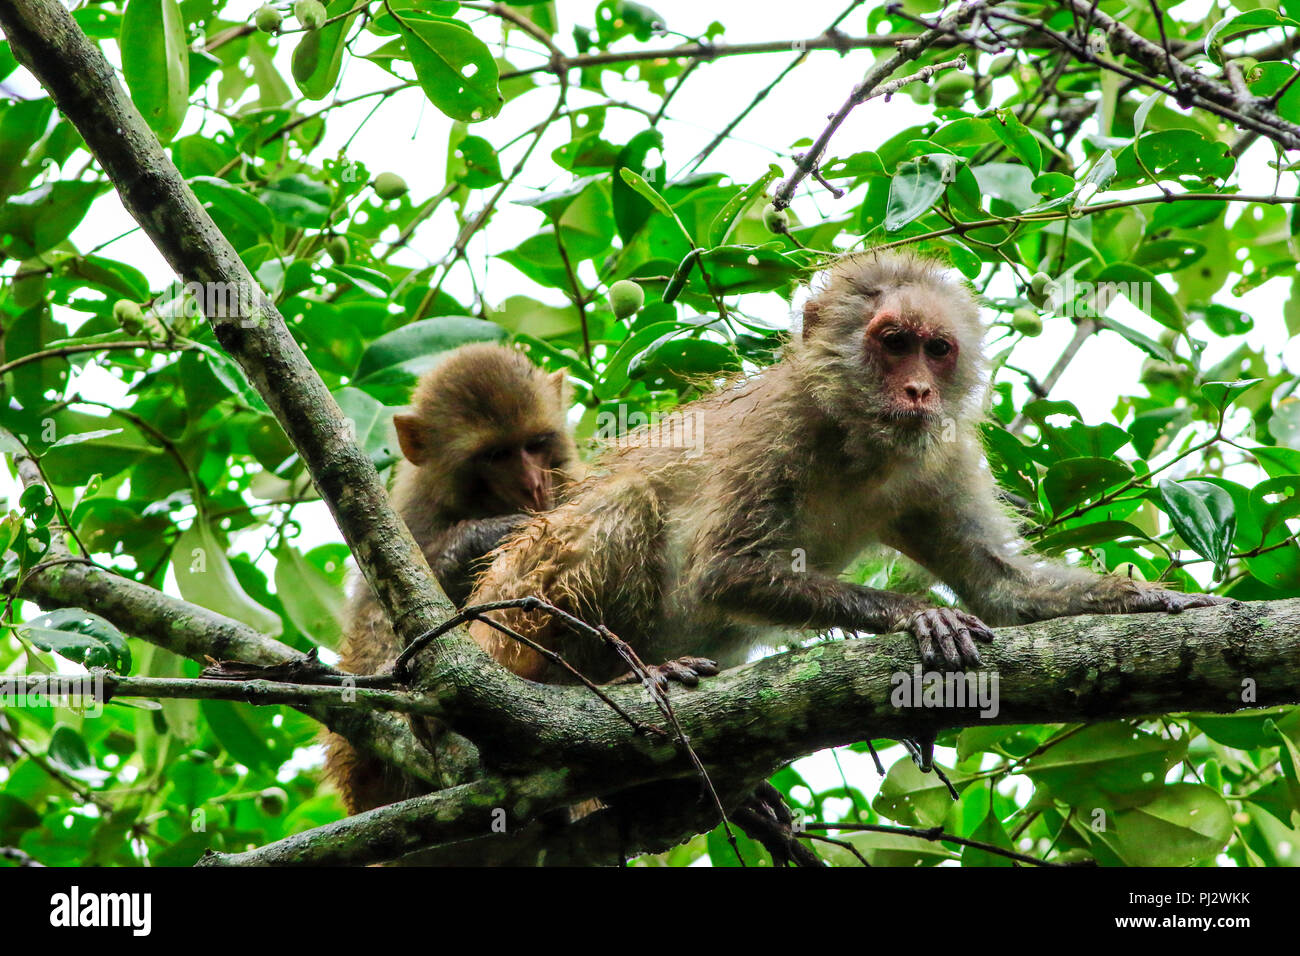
x=915, y=359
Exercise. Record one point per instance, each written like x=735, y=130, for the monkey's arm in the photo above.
x=456, y=556
x=767, y=588
x=975, y=550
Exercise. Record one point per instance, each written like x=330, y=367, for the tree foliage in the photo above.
x=1097, y=171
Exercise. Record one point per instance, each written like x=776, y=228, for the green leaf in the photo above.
x=80, y=636
x=38, y=220
x=225, y=200
x=1017, y=137
x=229, y=374
x=425, y=340
x=455, y=69
x=726, y=218
x=371, y=421
x=916, y=186
x=734, y=270
x=236, y=727
x=1221, y=394
x=1204, y=516
x=1184, y=825
x=631, y=210
x=204, y=577
x=652, y=196
x=69, y=748
x=1074, y=480
x=1142, y=289
x=156, y=63
x=312, y=601
x=1085, y=535
x=1110, y=758
x=319, y=54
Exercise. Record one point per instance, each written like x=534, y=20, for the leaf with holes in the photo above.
x=455, y=68
x=80, y=636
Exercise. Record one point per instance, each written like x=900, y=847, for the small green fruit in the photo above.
x=626, y=298
x=952, y=88
x=128, y=315
x=390, y=186
x=1026, y=322
x=1129, y=570
x=776, y=220
x=310, y=13
x=272, y=801
x=267, y=18
x=338, y=249
x=1039, y=281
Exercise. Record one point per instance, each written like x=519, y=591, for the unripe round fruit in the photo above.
x=776, y=220
x=272, y=801
x=1026, y=322
x=951, y=88
x=310, y=13
x=1039, y=281
x=626, y=298
x=127, y=314
x=1130, y=570
x=338, y=249
x=390, y=186
x=267, y=18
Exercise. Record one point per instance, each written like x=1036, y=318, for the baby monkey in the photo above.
x=864, y=434
x=485, y=443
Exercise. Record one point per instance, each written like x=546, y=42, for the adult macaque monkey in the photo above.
x=864, y=434
x=485, y=443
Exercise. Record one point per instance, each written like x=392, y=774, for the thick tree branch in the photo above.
x=1102, y=667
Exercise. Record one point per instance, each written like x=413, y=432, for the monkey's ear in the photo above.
x=811, y=313
x=560, y=382
x=412, y=438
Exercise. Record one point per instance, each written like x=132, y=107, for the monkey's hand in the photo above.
x=684, y=670
x=944, y=635
x=1158, y=599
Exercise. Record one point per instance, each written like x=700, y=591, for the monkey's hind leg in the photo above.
x=599, y=558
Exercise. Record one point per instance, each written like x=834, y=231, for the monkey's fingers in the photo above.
x=1175, y=602
x=934, y=638
x=945, y=633
x=978, y=629
x=684, y=670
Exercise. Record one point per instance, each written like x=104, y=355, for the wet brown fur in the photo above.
x=682, y=554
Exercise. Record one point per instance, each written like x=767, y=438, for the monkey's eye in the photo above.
x=938, y=348
x=538, y=444
x=896, y=341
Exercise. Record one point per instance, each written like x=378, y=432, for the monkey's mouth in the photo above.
x=910, y=417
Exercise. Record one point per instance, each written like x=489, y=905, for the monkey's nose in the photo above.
x=917, y=391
